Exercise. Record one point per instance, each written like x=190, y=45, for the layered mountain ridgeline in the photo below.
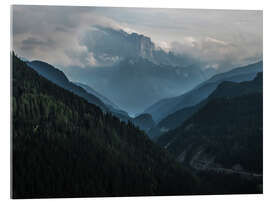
x=243, y=73
x=144, y=121
x=58, y=77
x=113, y=108
x=108, y=44
x=224, y=89
x=101, y=97
x=225, y=133
x=165, y=107
x=63, y=146
x=131, y=79
x=129, y=67
x=171, y=122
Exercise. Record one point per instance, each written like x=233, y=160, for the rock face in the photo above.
x=108, y=44
x=129, y=67
x=144, y=121
x=146, y=48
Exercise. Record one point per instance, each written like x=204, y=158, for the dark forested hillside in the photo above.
x=163, y=108
x=226, y=132
x=63, y=146
x=58, y=77
x=224, y=89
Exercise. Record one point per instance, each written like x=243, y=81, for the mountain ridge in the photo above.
x=64, y=146
x=175, y=119
x=165, y=107
x=58, y=77
x=226, y=118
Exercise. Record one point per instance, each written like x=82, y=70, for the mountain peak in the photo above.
x=48, y=70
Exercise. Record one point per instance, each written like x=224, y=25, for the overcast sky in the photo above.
x=53, y=34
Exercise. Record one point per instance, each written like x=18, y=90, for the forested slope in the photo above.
x=225, y=130
x=62, y=146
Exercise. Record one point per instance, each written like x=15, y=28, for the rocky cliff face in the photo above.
x=146, y=48
x=108, y=43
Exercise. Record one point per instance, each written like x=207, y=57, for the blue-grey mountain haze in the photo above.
x=137, y=56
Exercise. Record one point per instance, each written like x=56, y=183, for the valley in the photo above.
x=120, y=102
x=199, y=151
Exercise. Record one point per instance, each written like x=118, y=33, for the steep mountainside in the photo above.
x=144, y=121
x=172, y=121
x=110, y=105
x=64, y=146
x=130, y=66
x=225, y=89
x=109, y=45
x=165, y=107
x=225, y=133
x=104, y=99
x=132, y=79
x=59, y=78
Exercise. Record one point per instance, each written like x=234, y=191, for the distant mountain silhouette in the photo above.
x=130, y=66
x=104, y=99
x=64, y=146
x=223, y=131
x=163, y=108
x=116, y=44
x=132, y=79
x=58, y=77
x=112, y=107
x=224, y=89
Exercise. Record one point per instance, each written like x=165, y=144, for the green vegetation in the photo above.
x=65, y=147
x=222, y=133
x=232, y=133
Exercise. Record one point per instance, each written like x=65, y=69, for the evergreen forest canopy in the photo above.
x=64, y=146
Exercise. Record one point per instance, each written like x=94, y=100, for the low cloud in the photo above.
x=31, y=43
x=218, y=39
x=219, y=54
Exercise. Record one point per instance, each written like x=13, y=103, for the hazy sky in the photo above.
x=54, y=34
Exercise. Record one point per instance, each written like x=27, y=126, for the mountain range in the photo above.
x=131, y=79
x=128, y=66
x=224, y=132
x=62, y=128
x=109, y=45
x=56, y=76
x=165, y=107
x=95, y=93
x=64, y=146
